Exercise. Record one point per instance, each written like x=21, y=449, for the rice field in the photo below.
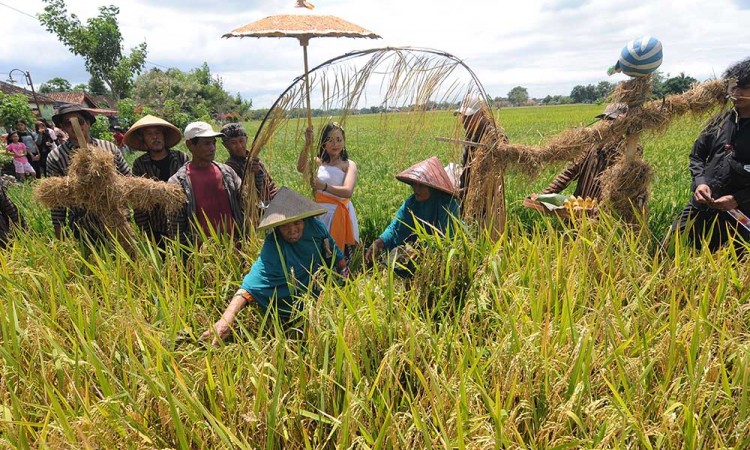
x=550, y=337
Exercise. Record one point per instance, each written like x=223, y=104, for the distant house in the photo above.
x=83, y=99
x=105, y=101
x=46, y=103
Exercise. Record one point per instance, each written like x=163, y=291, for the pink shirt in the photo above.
x=19, y=151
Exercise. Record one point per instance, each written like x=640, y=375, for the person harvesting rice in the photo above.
x=296, y=248
x=720, y=166
x=334, y=184
x=433, y=204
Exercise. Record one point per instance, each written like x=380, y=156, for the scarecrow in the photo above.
x=630, y=177
x=93, y=184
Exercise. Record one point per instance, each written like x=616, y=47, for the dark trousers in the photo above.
x=710, y=227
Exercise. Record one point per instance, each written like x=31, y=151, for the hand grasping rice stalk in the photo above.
x=94, y=184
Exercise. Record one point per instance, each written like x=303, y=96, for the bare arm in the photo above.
x=223, y=326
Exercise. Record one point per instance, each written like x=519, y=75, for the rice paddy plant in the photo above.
x=578, y=335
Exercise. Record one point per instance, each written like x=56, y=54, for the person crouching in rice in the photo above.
x=296, y=248
x=433, y=204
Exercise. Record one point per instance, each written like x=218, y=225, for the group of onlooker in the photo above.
x=30, y=148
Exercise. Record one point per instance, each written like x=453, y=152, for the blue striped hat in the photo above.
x=640, y=57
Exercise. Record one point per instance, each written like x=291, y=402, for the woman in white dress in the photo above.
x=334, y=184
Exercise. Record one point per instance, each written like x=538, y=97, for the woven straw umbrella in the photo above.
x=304, y=28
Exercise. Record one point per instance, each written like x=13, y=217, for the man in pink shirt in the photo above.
x=212, y=189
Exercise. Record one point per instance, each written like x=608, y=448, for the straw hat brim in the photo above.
x=134, y=139
x=288, y=206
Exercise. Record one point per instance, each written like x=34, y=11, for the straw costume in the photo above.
x=285, y=270
x=154, y=221
x=474, y=117
x=435, y=213
x=587, y=171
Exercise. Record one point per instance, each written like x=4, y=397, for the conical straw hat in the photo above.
x=134, y=140
x=429, y=172
x=288, y=206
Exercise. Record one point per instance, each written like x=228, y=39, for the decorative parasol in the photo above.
x=302, y=27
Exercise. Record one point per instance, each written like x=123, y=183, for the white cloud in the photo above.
x=548, y=46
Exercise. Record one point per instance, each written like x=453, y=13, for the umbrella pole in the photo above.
x=310, y=157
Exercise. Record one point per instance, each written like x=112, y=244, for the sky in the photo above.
x=546, y=46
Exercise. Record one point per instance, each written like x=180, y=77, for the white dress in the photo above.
x=335, y=177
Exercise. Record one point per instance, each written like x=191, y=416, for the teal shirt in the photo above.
x=283, y=270
x=435, y=211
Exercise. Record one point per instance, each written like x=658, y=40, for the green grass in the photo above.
x=548, y=338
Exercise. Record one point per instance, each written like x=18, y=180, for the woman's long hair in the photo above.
x=322, y=153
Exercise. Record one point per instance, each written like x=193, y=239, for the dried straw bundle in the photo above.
x=626, y=187
x=655, y=115
x=566, y=146
x=484, y=202
x=94, y=184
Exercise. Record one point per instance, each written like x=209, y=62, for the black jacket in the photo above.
x=713, y=162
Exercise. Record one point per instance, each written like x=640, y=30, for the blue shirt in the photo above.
x=434, y=212
x=283, y=270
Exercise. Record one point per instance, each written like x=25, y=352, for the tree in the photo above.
x=99, y=42
x=126, y=115
x=518, y=96
x=657, y=84
x=178, y=96
x=96, y=86
x=678, y=84
x=603, y=90
x=56, y=84
x=14, y=107
x=584, y=94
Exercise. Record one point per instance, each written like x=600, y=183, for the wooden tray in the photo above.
x=560, y=212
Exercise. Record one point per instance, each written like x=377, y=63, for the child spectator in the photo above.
x=19, y=151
